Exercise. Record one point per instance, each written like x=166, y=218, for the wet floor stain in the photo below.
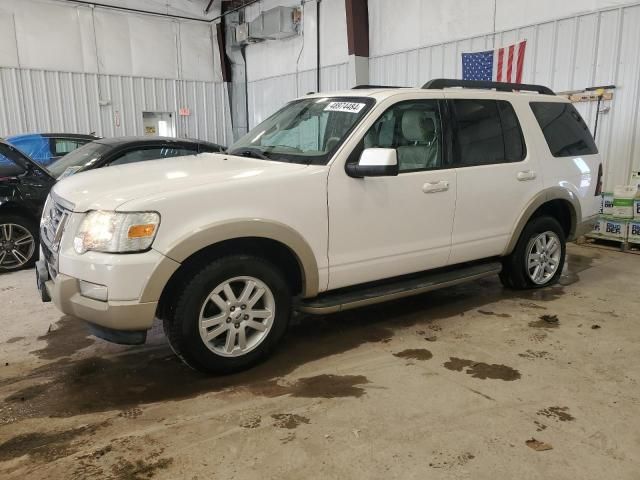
x=415, y=354
x=319, y=386
x=131, y=413
x=543, y=294
x=68, y=386
x=532, y=305
x=557, y=413
x=125, y=458
x=288, y=438
x=546, y=321
x=538, y=337
x=68, y=336
x=482, y=370
x=535, y=354
x=574, y=264
x=539, y=426
x=289, y=420
x=537, y=445
x=139, y=469
x=494, y=314
x=15, y=339
x=251, y=422
x=45, y=446
x=448, y=461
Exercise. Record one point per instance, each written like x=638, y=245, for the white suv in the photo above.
x=336, y=201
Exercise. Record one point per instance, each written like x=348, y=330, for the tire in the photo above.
x=536, y=234
x=203, y=308
x=18, y=242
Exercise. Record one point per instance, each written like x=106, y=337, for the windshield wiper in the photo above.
x=250, y=152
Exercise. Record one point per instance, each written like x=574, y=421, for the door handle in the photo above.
x=435, y=187
x=526, y=175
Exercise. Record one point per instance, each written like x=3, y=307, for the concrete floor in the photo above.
x=446, y=385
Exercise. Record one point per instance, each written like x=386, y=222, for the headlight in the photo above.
x=115, y=232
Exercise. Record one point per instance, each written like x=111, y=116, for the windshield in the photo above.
x=79, y=158
x=305, y=131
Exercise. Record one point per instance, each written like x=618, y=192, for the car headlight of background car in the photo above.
x=116, y=232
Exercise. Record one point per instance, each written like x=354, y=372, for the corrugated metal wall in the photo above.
x=267, y=95
x=46, y=101
x=598, y=48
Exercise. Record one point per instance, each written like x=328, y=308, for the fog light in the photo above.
x=93, y=290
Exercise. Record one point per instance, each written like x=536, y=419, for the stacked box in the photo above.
x=598, y=226
x=623, y=198
x=614, y=228
x=635, y=179
x=636, y=209
x=633, y=235
x=607, y=203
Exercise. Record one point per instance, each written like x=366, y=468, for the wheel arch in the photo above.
x=557, y=202
x=273, y=241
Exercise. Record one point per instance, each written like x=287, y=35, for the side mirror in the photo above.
x=375, y=162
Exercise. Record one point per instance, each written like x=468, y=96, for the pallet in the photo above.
x=600, y=241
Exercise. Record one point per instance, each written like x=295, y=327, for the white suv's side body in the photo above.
x=318, y=227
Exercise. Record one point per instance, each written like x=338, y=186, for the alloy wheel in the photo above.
x=543, y=257
x=17, y=246
x=237, y=316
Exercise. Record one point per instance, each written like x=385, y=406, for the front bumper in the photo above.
x=115, y=315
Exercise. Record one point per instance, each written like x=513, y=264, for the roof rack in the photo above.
x=362, y=87
x=441, y=83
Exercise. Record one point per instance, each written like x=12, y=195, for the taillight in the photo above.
x=599, y=183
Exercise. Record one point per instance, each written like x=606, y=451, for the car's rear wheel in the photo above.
x=538, y=257
x=18, y=244
x=230, y=314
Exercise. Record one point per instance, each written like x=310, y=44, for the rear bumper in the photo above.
x=113, y=315
x=584, y=227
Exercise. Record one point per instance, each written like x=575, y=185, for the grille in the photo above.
x=54, y=218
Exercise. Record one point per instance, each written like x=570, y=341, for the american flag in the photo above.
x=502, y=64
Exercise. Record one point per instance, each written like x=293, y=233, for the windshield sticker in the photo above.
x=347, y=107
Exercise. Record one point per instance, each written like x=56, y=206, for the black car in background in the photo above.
x=24, y=184
x=46, y=148
x=122, y=150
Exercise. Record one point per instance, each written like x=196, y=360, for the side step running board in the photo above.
x=369, y=294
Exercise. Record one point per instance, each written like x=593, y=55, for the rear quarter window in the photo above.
x=564, y=129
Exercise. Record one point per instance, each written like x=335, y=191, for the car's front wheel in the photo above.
x=17, y=242
x=538, y=257
x=230, y=314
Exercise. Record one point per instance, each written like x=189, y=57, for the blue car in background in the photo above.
x=46, y=148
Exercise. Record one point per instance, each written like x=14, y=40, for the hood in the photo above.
x=108, y=188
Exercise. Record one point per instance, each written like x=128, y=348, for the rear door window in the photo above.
x=62, y=146
x=564, y=129
x=486, y=132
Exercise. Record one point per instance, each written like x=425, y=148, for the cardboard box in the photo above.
x=614, y=228
x=607, y=203
x=636, y=209
x=598, y=227
x=635, y=179
x=634, y=232
x=623, y=197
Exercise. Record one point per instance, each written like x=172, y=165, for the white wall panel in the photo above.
x=8, y=49
x=48, y=101
x=62, y=36
x=596, y=48
x=42, y=44
x=278, y=57
x=267, y=95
